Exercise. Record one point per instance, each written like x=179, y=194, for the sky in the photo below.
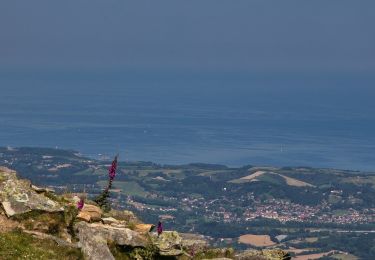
x=320, y=36
x=196, y=73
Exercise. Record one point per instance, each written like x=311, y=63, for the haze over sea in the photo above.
x=177, y=117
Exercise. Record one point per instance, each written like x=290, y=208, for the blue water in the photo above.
x=284, y=119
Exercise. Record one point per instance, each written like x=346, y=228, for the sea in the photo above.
x=315, y=119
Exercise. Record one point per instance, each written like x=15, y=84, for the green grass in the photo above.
x=88, y=171
x=18, y=245
x=131, y=188
x=334, y=199
x=272, y=178
x=340, y=212
x=344, y=257
x=214, y=172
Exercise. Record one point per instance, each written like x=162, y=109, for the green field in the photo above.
x=131, y=188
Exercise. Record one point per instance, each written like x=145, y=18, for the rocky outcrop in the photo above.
x=90, y=213
x=18, y=197
x=125, y=216
x=94, y=239
x=42, y=189
x=266, y=254
x=144, y=228
x=169, y=243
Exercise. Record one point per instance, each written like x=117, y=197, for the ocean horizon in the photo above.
x=235, y=119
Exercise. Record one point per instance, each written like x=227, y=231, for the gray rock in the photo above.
x=169, y=243
x=94, y=239
x=18, y=197
x=110, y=221
x=42, y=189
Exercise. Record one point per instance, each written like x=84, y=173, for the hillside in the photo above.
x=268, y=176
x=37, y=224
x=312, y=209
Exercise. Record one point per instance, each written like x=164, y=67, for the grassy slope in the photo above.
x=18, y=245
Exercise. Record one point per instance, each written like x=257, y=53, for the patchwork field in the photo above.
x=256, y=240
x=129, y=188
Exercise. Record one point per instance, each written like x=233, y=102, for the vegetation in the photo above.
x=166, y=186
x=18, y=245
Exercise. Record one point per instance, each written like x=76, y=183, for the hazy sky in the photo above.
x=202, y=35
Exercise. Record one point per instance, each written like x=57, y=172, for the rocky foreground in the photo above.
x=35, y=223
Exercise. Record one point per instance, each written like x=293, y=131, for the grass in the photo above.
x=334, y=199
x=131, y=188
x=215, y=253
x=340, y=212
x=344, y=257
x=256, y=240
x=311, y=239
x=88, y=171
x=18, y=245
x=172, y=173
x=272, y=178
x=210, y=173
x=360, y=180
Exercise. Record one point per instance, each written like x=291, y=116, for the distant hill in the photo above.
x=270, y=176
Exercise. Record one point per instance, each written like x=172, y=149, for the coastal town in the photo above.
x=223, y=210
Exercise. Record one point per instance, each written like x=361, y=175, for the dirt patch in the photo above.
x=290, y=181
x=253, y=176
x=6, y=224
x=295, y=182
x=256, y=240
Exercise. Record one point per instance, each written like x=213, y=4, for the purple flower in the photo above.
x=112, y=169
x=80, y=204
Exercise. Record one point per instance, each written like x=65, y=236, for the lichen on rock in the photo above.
x=94, y=239
x=18, y=197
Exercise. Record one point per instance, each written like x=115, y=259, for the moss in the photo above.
x=56, y=198
x=131, y=225
x=148, y=253
x=19, y=245
x=126, y=253
x=70, y=214
x=214, y=253
x=51, y=223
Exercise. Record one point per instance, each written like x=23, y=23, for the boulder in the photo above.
x=110, y=221
x=144, y=228
x=94, y=239
x=90, y=213
x=169, y=243
x=18, y=197
x=84, y=216
x=42, y=189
